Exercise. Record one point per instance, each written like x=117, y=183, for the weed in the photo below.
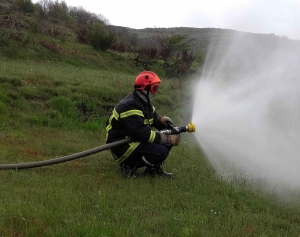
x=3, y=108
x=36, y=79
x=65, y=106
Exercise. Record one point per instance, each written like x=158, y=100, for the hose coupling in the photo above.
x=177, y=130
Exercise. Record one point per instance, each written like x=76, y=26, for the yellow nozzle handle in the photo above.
x=191, y=127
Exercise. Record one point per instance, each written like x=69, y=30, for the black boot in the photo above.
x=157, y=170
x=128, y=171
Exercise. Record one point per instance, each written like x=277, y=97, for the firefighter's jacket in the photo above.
x=132, y=117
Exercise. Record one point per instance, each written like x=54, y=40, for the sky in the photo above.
x=280, y=17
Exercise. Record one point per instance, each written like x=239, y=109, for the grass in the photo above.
x=51, y=109
x=87, y=197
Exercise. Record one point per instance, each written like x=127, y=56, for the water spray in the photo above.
x=246, y=106
x=172, y=130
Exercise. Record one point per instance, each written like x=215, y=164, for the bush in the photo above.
x=65, y=106
x=25, y=5
x=2, y=107
x=99, y=37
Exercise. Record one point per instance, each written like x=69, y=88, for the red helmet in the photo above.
x=146, y=78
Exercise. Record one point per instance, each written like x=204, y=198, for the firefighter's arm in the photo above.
x=137, y=130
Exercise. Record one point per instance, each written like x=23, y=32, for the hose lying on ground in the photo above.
x=172, y=130
x=64, y=158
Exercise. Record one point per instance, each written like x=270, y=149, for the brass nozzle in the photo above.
x=191, y=127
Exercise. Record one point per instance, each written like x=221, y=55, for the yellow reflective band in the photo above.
x=148, y=121
x=153, y=108
x=109, y=126
x=152, y=137
x=131, y=112
x=115, y=114
x=133, y=146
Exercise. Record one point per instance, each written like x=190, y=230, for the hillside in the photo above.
x=65, y=24
x=205, y=37
x=56, y=94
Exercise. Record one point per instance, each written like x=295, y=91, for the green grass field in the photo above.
x=50, y=109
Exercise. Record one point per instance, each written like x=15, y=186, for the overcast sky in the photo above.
x=281, y=17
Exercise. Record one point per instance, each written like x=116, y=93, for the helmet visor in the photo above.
x=154, y=88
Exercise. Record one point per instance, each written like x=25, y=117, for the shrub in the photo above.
x=27, y=39
x=86, y=108
x=99, y=37
x=2, y=107
x=65, y=106
x=25, y=5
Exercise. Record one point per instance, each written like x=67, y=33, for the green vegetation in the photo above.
x=100, y=38
x=55, y=97
x=51, y=109
x=21, y=22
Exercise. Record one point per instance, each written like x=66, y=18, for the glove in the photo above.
x=169, y=140
x=165, y=120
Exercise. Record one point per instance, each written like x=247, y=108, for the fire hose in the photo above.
x=172, y=130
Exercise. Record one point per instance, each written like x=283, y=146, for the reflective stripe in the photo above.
x=131, y=112
x=147, y=162
x=109, y=126
x=151, y=121
x=152, y=136
x=153, y=108
x=115, y=113
x=148, y=121
x=133, y=146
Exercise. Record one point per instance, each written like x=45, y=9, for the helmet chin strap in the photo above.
x=151, y=96
x=144, y=95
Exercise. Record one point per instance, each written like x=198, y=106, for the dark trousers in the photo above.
x=149, y=155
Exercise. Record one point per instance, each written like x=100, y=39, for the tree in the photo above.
x=175, y=50
x=58, y=10
x=85, y=18
x=25, y=5
x=99, y=37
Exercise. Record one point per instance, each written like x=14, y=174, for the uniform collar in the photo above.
x=143, y=97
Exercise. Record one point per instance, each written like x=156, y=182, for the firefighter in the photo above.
x=135, y=117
